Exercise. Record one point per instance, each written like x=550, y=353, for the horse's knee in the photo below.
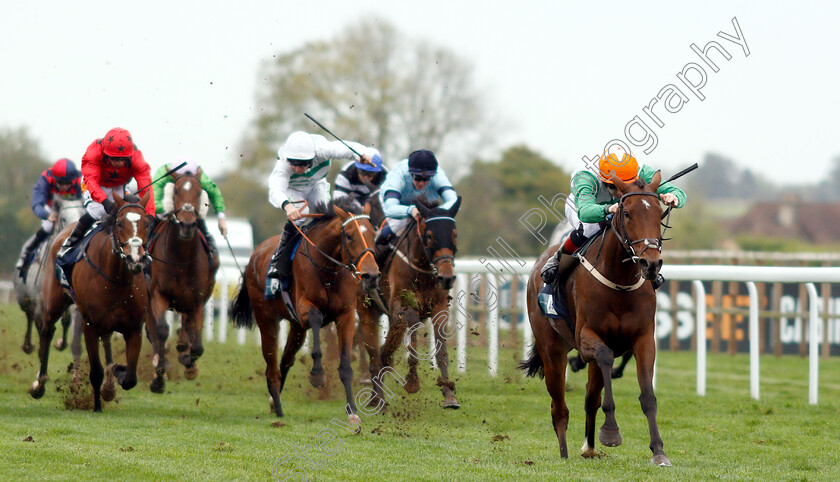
x=604, y=356
x=648, y=401
x=197, y=350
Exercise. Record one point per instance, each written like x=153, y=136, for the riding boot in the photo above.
x=84, y=223
x=658, y=281
x=280, y=267
x=211, y=243
x=382, y=244
x=558, y=267
x=39, y=238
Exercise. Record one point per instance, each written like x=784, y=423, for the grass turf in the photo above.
x=219, y=427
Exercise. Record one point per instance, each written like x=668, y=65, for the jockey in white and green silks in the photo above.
x=594, y=197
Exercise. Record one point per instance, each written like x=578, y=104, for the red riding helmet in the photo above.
x=118, y=143
x=64, y=171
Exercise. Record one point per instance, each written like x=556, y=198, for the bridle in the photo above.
x=434, y=262
x=352, y=266
x=172, y=217
x=134, y=241
x=621, y=230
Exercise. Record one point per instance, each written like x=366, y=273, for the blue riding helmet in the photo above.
x=377, y=164
x=422, y=163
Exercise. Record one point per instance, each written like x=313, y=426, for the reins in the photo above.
x=353, y=265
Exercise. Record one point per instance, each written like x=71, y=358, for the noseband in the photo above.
x=621, y=230
x=134, y=241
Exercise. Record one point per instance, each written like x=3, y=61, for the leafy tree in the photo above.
x=373, y=85
x=21, y=162
x=497, y=193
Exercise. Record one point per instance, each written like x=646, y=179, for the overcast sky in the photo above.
x=566, y=78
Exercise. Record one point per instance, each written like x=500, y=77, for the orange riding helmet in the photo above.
x=627, y=169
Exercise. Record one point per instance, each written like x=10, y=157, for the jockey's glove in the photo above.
x=108, y=205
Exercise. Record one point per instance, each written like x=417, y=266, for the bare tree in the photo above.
x=373, y=85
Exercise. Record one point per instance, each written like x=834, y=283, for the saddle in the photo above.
x=65, y=264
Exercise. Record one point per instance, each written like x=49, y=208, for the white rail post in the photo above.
x=700, y=326
x=493, y=324
x=208, y=319
x=430, y=327
x=527, y=334
x=461, y=320
x=223, y=310
x=384, y=325
x=813, y=344
x=284, y=334
x=754, y=340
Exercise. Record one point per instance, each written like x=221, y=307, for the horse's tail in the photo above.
x=533, y=365
x=240, y=311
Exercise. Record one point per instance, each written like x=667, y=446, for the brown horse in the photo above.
x=111, y=295
x=334, y=255
x=418, y=276
x=183, y=277
x=612, y=309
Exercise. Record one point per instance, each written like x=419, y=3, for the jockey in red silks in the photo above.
x=63, y=180
x=108, y=165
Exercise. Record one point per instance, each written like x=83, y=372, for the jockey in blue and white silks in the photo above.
x=416, y=176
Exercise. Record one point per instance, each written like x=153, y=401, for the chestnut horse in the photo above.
x=28, y=293
x=183, y=277
x=418, y=276
x=612, y=308
x=111, y=295
x=334, y=254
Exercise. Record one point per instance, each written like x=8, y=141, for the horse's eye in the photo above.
x=626, y=215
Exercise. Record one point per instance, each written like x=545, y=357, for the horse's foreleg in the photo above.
x=644, y=349
x=127, y=375
x=359, y=342
x=369, y=324
x=440, y=321
x=317, y=377
x=609, y=434
x=618, y=371
x=158, y=332
x=195, y=327
x=345, y=325
x=592, y=402
x=27, y=346
x=46, y=330
x=412, y=380
x=61, y=343
x=97, y=374
x=76, y=344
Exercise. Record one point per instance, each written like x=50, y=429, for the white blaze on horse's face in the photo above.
x=362, y=229
x=134, y=241
x=647, y=204
x=187, y=186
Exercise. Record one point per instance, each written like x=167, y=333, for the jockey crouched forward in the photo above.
x=61, y=179
x=592, y=200
x=358, y=179
x=214, y=196
x=108, y=165
x=300, y=175
x=418, y=175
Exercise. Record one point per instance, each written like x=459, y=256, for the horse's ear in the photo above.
x=340, y=212
x=424, y=211
x=145, y=198
x=455, y=207
x=366, y=209
x=622, y=186
x=118, y=200
x=654, y=183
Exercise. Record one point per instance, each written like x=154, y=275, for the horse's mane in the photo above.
x=347, y=203
x=429, y=204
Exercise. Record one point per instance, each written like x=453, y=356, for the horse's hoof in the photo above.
x=354, y=421
x=616, y=374
x=37, y=389
x=157, y=385
x=609, y=438
x=60, y=344
x=27, y=347
x=318, y=380
x=588, y=452
x=451, y=402
x=185, y=359
x=191, y=373
x=660, y=461
x=109, y=391
x=181, y=347
x=275, y=409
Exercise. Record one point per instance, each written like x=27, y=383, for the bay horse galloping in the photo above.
x=183, y=276
x=29, y=288
x=418, y=276
x=334, y=254
x=611, y=311
x=111, y=295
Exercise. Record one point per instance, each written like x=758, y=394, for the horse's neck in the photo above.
x=181, y=247
x=328, y=239
x=613, y=261
x=101, y=252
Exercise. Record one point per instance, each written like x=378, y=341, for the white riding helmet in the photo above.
x=299, y=147
x=190, y=168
